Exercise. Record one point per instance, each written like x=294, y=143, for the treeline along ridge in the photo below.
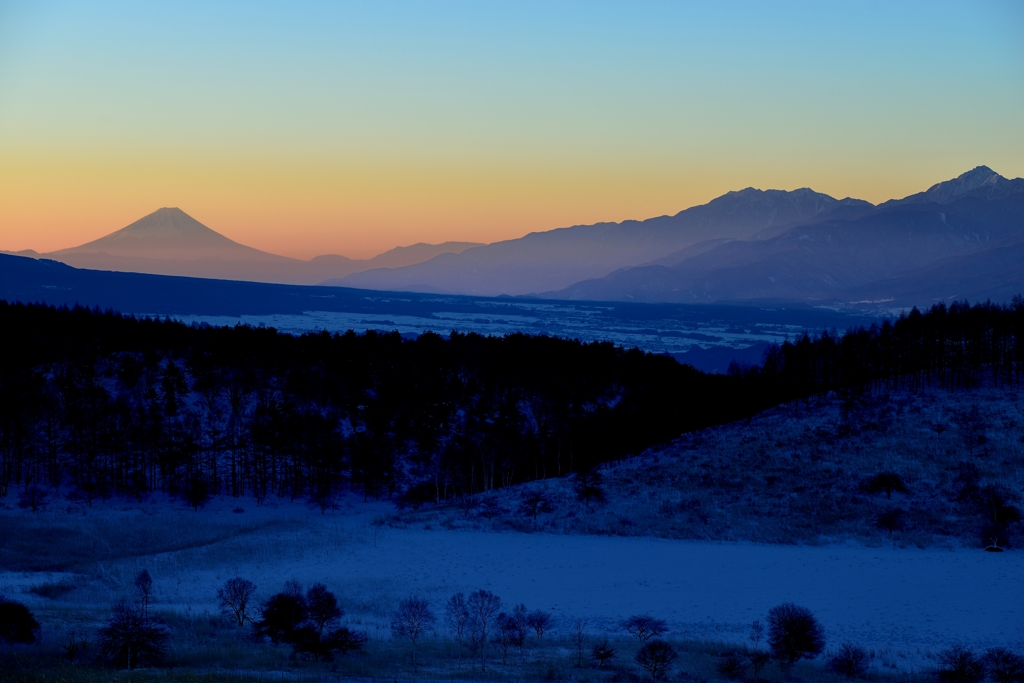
x=108, y=404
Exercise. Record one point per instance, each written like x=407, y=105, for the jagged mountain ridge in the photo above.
x=864, y=255
x=546, y=260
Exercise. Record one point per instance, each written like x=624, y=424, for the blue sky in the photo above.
x=308, y=128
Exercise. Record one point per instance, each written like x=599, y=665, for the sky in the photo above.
x=350, y=128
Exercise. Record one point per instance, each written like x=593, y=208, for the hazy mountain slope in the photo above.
x=807, y=263
x=840, y=255
x=169, y=234
x=170, y=242
x=400, y=257
x=547, y=260
x=996, y=273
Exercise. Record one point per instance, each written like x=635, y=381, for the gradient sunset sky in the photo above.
x=312, y=128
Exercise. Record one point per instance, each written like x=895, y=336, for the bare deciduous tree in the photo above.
x=506, y=636
x=602, y=653
x=482, y=606
x=756, y=633
x=456, y=617
x=144, y=586
x=656, y=657
x=540, y=621
x=645, y=627
x=234, y=598
x=322, y=608
x=758, y=659
x=323, y=499
x=411, y=621
x=490, y=508
x=851, y=661
x=587, y=485
x=1004, y=666
x=74, y=642
x=959, y=664
x=535, y=503
x=578, y=639
x=521, y=623
x=972, y=425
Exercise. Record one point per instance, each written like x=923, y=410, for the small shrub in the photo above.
x=758, y=661
x=17, y=624
x=587, y=485
x=851, y=661
x=731, y=666
x=535, y=503
x=33, y=498
x=343, y=640
x=890, y=520
x=886, y=482
x=793, y=634
x=53, y=590
x=305, y=622
x=323, y=500
x=959, y=664
x=490, y=508
x=130, y=638
x=74, y=643
x=280, y=617
x=417, y=496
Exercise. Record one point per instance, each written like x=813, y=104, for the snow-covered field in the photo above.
x=903, y=603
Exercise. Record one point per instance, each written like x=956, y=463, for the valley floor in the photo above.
x=681, y=536
x=902, y=603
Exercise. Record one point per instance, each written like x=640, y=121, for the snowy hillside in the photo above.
x=800, y=473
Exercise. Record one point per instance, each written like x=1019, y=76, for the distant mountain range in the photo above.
x=959, y=239
x=170, y=242
x=543, y=261
x=962, y=238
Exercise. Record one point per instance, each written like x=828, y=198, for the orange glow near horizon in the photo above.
x=351, y=128
x=303, y=212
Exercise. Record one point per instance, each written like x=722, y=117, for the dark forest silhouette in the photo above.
x=108, y=404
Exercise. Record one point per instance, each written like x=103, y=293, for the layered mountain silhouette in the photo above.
x=956, y=239
x=547, y=260
x=170, y=242
x=963, y=238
